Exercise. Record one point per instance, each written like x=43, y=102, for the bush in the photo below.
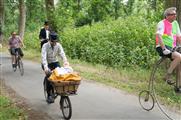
x=122, y=43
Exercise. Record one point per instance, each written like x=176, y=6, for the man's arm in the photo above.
x=21, y=41
x=40, y=34
x=160, y=41
x=178, y=35
x=9, y=43
x=62, y=55
x=44, y=58
x=159, y=33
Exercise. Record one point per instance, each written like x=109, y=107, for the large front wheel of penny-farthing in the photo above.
x=146, y=100
x=167, y=100
x=66, y=107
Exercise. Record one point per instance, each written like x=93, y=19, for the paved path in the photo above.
x=94, y=101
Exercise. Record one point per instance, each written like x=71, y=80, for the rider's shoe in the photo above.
x=168, y=79
x=178, y=90
x=14, y=67
x=50, y=99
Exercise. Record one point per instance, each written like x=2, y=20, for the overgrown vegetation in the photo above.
x=125, y=42
x=9, y=111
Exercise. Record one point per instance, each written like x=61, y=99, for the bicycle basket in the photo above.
x=66, y=87
x=65, y=84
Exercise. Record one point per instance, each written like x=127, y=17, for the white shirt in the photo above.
x=47, y=34
x=50, y=54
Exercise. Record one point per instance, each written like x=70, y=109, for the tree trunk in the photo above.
x=50, y=14
x=78, y=5
x=177, y=4
x=22, y=18
x=1, y=19
x=116, y=8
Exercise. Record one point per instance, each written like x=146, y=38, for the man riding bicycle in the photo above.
x=15, y=44
x=167, y=36
x=50, y=51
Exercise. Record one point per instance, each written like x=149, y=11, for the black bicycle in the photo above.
x=160, y=92
x=63, y=89
x=19, y=63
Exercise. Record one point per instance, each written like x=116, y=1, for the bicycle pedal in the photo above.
x=170, y=82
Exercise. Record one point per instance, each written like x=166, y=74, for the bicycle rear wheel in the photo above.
x=146, y=100
x=21, y=68
x=166, y=98
x=66, y=107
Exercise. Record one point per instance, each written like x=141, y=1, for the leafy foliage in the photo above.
x=126, y=42
x=8, y=111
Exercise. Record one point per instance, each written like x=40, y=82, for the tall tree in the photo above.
x=22, y=18
x=1, y=19
x=116, y=5
x=177, y=4
x=37, y=14
x=78, y=5
x=50, y=13
x=98, y=10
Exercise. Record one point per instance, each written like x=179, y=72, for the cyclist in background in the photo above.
x=50, y=51
x=15, y=44
x=44, y=34
x=167, y=35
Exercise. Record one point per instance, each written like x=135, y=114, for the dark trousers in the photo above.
x=49, y=87
x=14, y=50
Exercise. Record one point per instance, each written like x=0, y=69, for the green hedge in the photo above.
x=126, y=42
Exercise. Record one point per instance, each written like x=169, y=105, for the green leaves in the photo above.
x=121, y=43
x=8, y=111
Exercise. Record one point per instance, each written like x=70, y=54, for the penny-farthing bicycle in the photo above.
x=160, y=92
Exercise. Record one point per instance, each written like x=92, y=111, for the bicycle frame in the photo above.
x=19, y=62
x=150, y=85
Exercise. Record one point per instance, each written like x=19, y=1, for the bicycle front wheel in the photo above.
x=21, y=68
x=146, y=100
x=66, y=107
x=167, y=100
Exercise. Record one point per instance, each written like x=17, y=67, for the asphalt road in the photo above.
x=93, y=102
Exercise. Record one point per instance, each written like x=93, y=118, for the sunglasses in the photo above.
x=172, y=14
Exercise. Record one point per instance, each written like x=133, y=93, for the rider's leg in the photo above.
x=48, y=86
x=50, y=90
x=13, y=59
x=12, y=50
x=176, y=60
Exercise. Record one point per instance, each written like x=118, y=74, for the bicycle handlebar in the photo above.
x=177, y=48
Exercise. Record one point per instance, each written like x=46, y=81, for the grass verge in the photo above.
x=8, y=108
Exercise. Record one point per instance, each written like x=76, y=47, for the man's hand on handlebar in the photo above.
x=48, y=71
x=166, y=51
x=66, y=64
